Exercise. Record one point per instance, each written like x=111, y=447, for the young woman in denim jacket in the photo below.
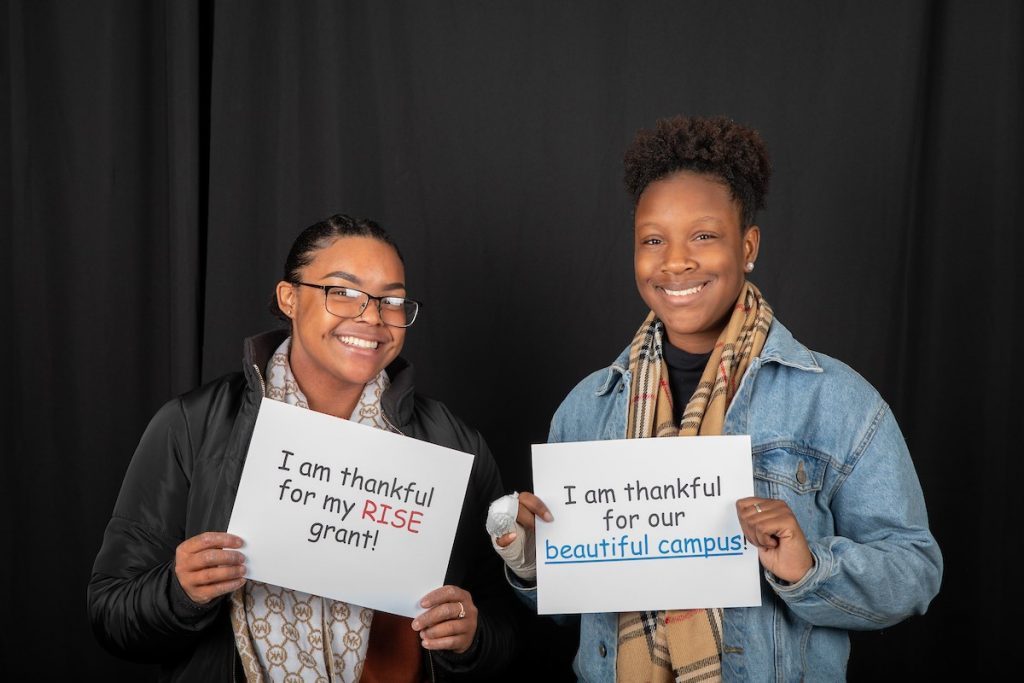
x=838, y=518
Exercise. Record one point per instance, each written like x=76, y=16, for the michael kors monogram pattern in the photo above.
x=288, y=636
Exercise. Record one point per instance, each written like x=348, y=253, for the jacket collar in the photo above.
x=779, y=347
x=619, y=368
x=397, y=400
x=258, y=349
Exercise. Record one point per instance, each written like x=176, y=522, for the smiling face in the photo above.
x=333, y=358
x=689, y=256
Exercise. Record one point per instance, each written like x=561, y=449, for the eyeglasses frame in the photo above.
x=369, y=297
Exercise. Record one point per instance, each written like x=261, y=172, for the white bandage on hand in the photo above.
x=520, y=554
x=501, y=515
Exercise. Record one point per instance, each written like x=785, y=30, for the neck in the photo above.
x=335, y=405
x=694, y=343
x=328, y=397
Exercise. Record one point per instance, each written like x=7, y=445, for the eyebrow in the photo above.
x=709, y=219
x=356, y=281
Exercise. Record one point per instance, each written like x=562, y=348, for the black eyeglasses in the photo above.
x=348, y=302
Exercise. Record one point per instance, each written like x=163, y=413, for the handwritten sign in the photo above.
x=346, y=511
x=644, y=524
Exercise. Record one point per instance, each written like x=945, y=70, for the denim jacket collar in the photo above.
x=780, y=347
x=619, y=368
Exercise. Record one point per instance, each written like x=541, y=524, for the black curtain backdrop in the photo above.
x=159, y=158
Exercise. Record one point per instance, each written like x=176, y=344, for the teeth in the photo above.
x=683, y=292
x=361, y=343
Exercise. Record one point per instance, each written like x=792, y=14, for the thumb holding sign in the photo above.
x=206, y=568
x=513, y=540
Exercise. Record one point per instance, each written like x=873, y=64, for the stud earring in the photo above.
x=750, y=266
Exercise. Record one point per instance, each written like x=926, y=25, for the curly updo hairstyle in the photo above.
x=716, y=146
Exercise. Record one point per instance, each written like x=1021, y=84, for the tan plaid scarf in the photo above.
x=684, y=645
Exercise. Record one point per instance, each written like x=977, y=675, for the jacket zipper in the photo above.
x=263, y=387
x=389, y=423
x=259, y=374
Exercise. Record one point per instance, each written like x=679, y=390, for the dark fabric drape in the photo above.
x=161, y=156
x=102, y=240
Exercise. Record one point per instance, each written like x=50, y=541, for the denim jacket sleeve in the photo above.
x=881, y=564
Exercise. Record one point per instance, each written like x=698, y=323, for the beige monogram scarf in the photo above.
x=291, y=636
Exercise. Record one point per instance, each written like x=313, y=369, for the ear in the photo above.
x=751, y=243
x=286, y=298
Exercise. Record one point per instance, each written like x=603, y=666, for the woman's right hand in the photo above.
x=517, y=547
x=530, y=507
x=206, y=566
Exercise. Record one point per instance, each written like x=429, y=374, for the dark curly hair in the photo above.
x=716, y=146
x=321, y=235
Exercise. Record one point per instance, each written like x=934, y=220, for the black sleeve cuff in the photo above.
x=189, y=612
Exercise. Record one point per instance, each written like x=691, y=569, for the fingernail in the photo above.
x=512, y=536
x=415, y=625
x=547, y=517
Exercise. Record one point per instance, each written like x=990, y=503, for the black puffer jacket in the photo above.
x=182, y=481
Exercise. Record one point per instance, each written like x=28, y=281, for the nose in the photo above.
x=371, y=313
x=678, y=258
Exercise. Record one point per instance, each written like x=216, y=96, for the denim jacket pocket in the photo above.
x=788, y=474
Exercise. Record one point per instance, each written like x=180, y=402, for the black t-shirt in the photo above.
x=684, y=371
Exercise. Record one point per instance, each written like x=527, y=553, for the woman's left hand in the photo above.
x=781, y=545
x=450, y=620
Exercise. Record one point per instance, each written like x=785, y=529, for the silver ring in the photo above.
x=757, y=507
x=462, y=611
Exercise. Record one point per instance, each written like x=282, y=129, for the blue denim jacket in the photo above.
x=824, y=441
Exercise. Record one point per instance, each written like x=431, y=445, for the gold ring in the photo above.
x=757, y=507
x=462, y=611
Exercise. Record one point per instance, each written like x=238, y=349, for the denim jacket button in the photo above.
x=801, y=475
x=602, y=650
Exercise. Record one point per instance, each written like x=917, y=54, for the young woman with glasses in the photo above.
x=168, y=585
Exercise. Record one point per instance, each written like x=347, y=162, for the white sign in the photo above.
x=644, y=524
x=346, y=511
